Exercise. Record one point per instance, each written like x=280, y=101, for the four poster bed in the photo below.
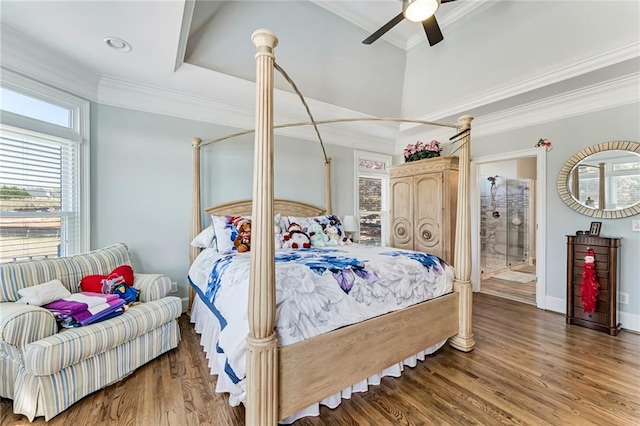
x=282, y=381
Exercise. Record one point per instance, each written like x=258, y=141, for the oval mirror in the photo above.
x=603, y=180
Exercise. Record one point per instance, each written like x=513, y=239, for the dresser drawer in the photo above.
x=580, y=250
x=597, y=317
x=601, y=265
x=603, y=299
x=577, y=279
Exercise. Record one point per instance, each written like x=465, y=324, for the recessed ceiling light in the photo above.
x=117, y=44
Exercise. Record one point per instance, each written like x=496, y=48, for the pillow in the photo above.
x=93, y=283
x=226, y=230
x=42, y=294
x=205, y=239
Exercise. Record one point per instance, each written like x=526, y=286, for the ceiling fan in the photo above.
x=415, y=11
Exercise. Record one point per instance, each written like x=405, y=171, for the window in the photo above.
x=372, y=182
x=44, y=175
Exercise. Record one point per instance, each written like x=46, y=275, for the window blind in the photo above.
x=39, y=196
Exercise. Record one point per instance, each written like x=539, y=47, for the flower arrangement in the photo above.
x=420, y=150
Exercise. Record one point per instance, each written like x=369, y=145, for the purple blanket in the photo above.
x=86, y=307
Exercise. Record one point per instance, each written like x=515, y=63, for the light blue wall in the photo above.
x=568, y=137
x=141, y=182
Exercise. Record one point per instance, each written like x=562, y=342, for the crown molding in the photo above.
x=31, y=59
x=575, y=69
x=609, y=94
x=136, y=96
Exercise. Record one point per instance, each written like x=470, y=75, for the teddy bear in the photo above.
x=332, y=233
x=317, y=235
x=296, y=238
x=279, y=240
x=242, y=243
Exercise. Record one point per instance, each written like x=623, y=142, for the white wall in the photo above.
x=568, y=137
x=141, y=182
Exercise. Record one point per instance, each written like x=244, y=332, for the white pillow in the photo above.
x=205, y=239
x=226, y=231
x=42, y=294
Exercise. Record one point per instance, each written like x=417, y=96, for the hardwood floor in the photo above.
x=528, y=368
x=520, y=292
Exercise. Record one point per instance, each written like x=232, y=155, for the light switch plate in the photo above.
x=635, y=225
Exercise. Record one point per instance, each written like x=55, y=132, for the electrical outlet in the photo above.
x=635, y=225
x=623, y=298
x=174, y=287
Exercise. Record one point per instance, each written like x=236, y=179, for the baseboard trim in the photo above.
x=185, y=304
x=628, y=320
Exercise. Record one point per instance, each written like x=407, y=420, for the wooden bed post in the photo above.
x=262, y=344
x=196, y=216
x=463, y=341
x=327, y=186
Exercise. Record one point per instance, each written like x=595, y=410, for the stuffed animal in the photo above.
x=296, y=238
x=317, y=235
x=279, y=240
x=242, y=243
x=332, y=234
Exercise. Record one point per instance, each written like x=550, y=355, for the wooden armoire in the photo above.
x=423, y=198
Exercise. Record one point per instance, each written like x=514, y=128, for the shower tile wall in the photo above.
x=493, y=231
x=502, y=242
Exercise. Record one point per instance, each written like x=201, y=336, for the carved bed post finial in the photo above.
x=463, y=341
x=262, y=343
x=196, y=218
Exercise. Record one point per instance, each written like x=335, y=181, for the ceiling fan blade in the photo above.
x=446, y=1
x=386, y=27
x=432, y=30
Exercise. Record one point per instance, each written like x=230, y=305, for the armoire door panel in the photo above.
x=402, y=213
x=427, y=236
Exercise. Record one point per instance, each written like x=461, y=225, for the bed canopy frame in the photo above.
x=283, y=381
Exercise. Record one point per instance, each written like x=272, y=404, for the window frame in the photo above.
x=383, y=175
x=78, y=132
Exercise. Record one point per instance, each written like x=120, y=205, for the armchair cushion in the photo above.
x=22, y=324
x=152, y=286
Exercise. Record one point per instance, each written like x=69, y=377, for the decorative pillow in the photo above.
x=226, y=230
x=205, y=239
x=93, y=283
x=42, y=294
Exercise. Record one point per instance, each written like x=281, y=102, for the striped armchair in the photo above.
x=44, y=370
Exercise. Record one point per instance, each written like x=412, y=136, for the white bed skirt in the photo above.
x=206, y=325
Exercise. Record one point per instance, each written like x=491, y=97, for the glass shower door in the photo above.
x=518, y=221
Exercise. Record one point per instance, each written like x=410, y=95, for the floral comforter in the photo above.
x=317, y=290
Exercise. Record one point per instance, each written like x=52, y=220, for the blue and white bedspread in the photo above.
x=317, y=290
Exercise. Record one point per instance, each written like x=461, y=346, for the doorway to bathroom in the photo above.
x=507, y=230
x=507, y=215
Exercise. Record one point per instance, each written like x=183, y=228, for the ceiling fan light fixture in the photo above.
x=419, y=10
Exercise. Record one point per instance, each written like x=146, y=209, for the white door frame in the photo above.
x=541, y=218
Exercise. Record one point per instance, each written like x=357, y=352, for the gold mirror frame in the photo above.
x=563, y=181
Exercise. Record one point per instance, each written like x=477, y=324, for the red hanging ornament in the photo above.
x=589, y=286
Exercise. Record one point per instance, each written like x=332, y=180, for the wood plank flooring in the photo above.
x=528, y=368
x=520, y=292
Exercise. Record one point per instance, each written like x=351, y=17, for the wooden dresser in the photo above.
x=423, y=199
x=607, y=251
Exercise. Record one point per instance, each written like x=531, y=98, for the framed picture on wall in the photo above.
x=595, y=228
